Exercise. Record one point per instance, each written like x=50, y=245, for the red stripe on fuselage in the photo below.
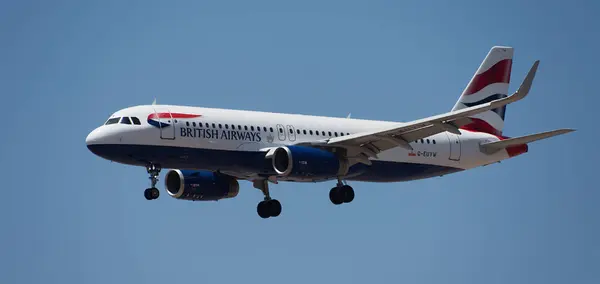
x=172, y=115
x=499, y=73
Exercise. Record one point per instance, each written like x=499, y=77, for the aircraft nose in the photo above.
x=93, y=138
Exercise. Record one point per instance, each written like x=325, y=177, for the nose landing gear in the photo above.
x=152, y=192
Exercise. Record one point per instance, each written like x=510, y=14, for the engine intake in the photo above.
x=200, y=185
x=308, y=162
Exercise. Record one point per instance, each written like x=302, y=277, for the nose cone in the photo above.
x=95, y=140
x=92, y=138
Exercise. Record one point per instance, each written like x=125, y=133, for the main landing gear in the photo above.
x=342, y=193
x=152, y=192
x=268, y=207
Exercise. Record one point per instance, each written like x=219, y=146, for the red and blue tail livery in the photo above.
x=489, y=83
x=208, y=155
x=164, y=119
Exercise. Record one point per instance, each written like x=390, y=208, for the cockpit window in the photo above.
x=112, y=120
x=136, y=121
x=125, y=120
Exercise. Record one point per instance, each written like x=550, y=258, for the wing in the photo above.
x=361, y=146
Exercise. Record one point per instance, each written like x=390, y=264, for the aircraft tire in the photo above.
x=268, y=208
x=335, y=195
x=348, y=193
x=147, y=194
x=263, y=210
x=154, y=193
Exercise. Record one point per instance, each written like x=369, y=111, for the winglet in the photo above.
x=523, y=90
x=526, y=85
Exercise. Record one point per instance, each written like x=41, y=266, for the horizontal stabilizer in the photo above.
x=492, y=147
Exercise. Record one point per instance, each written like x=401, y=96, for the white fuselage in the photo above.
x=224, y=140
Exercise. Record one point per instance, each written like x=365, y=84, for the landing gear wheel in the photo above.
x=335, y=195
x=268, y=208
x=348, y=193
x=151, y=193
x=342, y=193
x=147, y=194
x=263, y=210
x=274, y=207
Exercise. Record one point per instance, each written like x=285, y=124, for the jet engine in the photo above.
x=308, y=162
x=200, y=185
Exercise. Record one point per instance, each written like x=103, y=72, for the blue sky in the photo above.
x=68, y=216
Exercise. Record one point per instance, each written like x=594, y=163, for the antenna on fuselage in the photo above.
x=154, y=102
x=350, y=114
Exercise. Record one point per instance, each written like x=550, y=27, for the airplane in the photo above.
x=209, y=150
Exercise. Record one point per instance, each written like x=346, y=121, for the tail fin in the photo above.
x=489, y=83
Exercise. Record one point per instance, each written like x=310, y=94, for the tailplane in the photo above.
x=489, y=83
x=518, y=145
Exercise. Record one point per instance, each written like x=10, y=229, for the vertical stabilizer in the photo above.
x=489, y=83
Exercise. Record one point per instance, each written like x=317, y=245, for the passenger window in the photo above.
x=246, y=127
x=125, y=120
x=187, y=123
x=265, y=129
x=335, y=134
x=258, y=128
x=280, y=130
x=239, y=127
x=323, y=132
x=342, y=134
x=252, y=128
x=427, y=141
x=233, y=127
x=136, y=121
x=422, y=142
x=207, y=126
x=317, y=132
x=310, y=131
x=213, y=125
x=298, y=131
x=220, y=126
x=291, y=131
x=304, y=131
x=194, y=124
x=271, y=128
x=329, y=133
x=433, y=141
x=226, y=126
x=199, y=124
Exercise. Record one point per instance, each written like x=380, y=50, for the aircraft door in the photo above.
x=281, y=132
x=291, y=133
x=164, y=121
x=455, y=146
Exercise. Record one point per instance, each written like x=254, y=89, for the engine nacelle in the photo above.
x=308, y=162
x=200, y=185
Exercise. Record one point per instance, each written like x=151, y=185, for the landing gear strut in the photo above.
x=152, y=192
x=268, y=207
x=342, y=193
